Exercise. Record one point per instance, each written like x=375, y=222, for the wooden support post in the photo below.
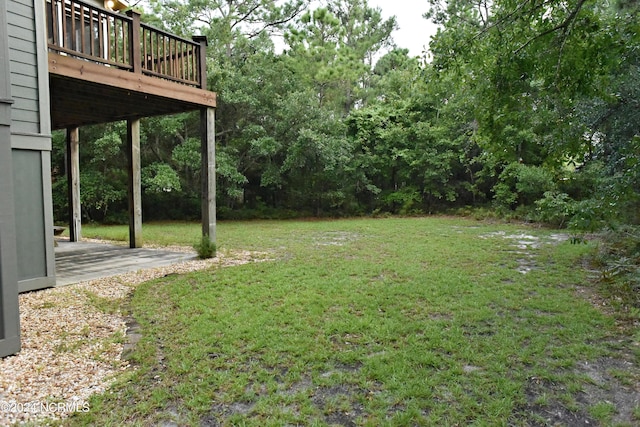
x=202, y=61
x=135, y=183
x=134, y=41
x=73, y=184
x=208, y=145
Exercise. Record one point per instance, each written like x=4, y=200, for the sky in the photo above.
x=415, y=31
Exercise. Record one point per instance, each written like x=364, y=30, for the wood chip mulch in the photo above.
x=70, y=348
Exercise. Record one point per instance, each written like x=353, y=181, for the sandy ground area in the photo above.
x=72, y=346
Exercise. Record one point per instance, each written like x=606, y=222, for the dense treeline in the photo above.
x=527, y=106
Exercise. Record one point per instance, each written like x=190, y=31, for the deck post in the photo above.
x=208, y=146
x=202, y=61
x=134, y=41
x=135, y=183
x=73, y=184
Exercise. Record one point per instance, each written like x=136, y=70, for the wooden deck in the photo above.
x=106, y=66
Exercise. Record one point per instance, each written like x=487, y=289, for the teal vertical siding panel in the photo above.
x=29, y=207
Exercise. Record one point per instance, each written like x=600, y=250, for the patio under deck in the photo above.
x=81, y=261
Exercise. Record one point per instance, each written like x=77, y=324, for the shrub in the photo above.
x=206, y=248
x=404, y=201
x=533, y=182
x=588, y=216
x=520, y=184
x=555, y=208
x=618, y=260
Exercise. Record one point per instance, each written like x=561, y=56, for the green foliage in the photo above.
x=205, y=248
x=618, y=260
x=588, y=216
x=532, y=106
x=101, y=199
x=160, y=177
x=520, y=184
x=532, y=182
x=555, y=209
x=187, y=155
x=107, y=146
x=404, y=201
x=60, y=198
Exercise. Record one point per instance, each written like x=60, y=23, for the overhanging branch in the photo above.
x=564, y=25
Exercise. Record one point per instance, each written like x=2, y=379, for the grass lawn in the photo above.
x=417, y=321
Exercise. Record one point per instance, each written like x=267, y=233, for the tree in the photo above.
x=334, y=48
x=531, y=66
x=226, y=21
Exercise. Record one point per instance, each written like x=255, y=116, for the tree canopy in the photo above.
x=527, y=106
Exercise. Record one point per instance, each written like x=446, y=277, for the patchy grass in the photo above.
x=103, y=304
x=420, y=321
x=158, y=233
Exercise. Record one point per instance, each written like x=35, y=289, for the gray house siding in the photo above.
x=31, y=144
x=23, y=65
x=9, y=315
x=27, y=186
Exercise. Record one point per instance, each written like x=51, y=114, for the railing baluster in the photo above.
x=158, y=44
x=73, y=27
x=167, y=57
x=144, y=49
x=116, y=42
x=109, y=27
x=172, y=59
x=92, y=30
x=101, y=35
x=193, y=64
x=62, y=19
x=63, y=23
x=154, y=52
x=81, y=22
x=164, y=55
x=151, y=53
x=183, y=74
x=95, y=37
x=125, y=44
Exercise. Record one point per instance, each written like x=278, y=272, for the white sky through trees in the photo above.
x=415, y=31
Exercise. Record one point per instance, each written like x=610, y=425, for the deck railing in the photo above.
x=81, y=30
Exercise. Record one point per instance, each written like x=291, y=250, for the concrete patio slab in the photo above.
x=80, y=261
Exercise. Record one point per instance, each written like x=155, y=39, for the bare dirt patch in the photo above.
x=610, y=396
x=336, y=404
x=523, y=243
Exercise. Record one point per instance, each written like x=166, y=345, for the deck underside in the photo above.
x=84, y=93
